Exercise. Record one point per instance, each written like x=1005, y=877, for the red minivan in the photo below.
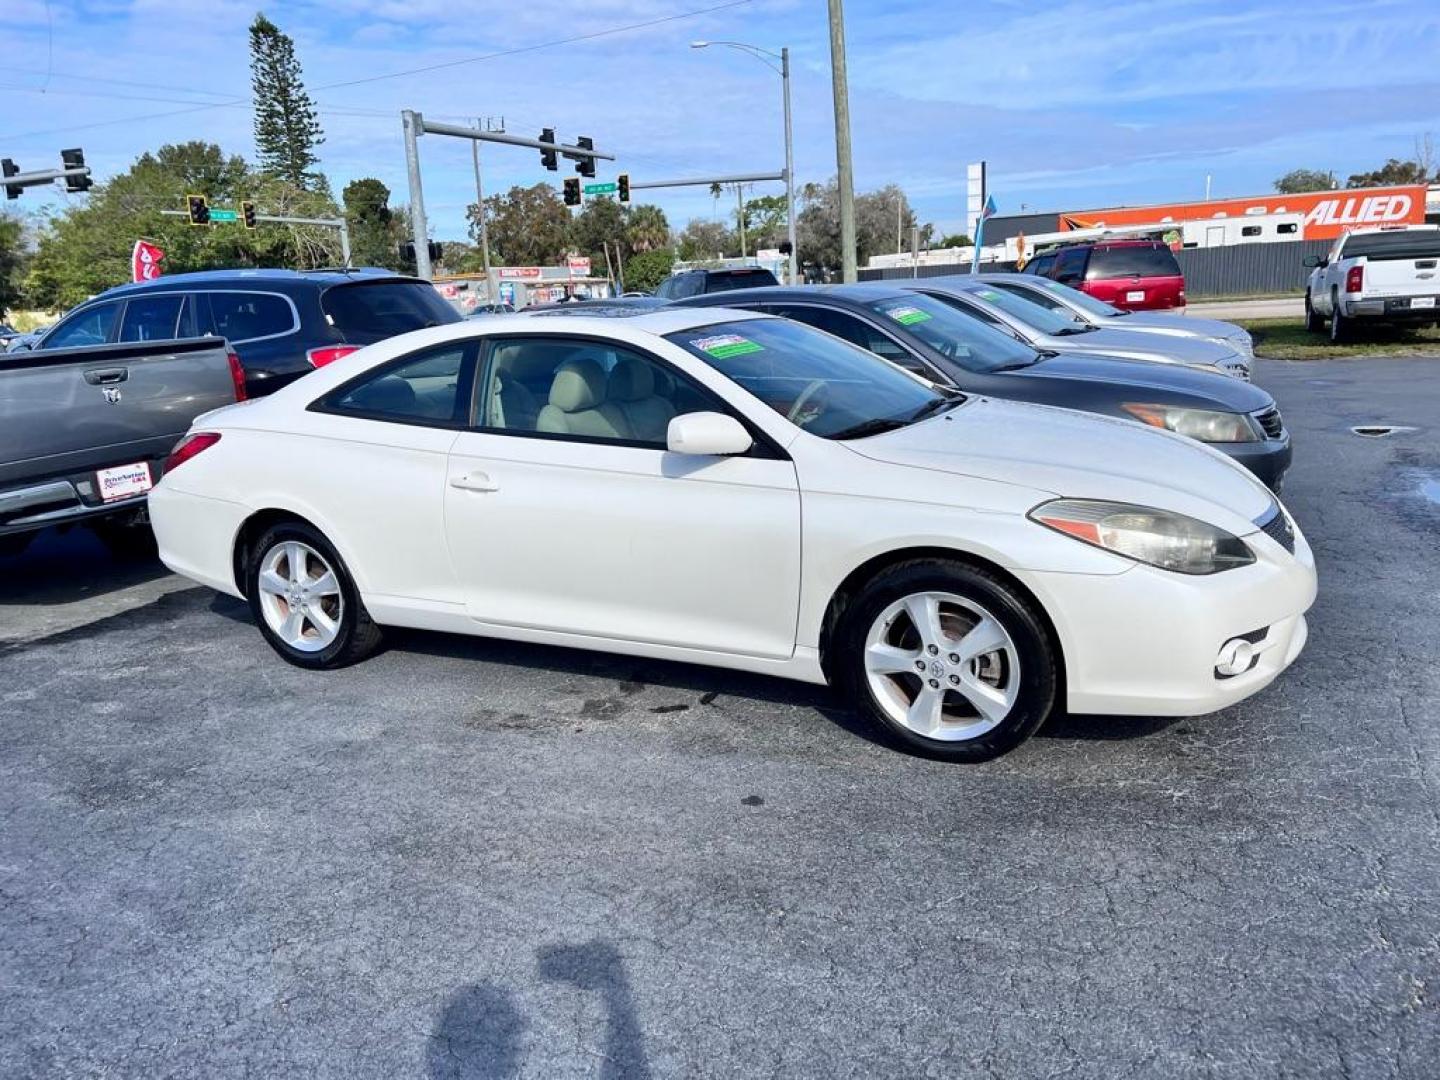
x=1135, y=275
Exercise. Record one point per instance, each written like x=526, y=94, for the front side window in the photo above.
x=89, y=327
x=585, y=389
x=956, y=334
x=151, y=318
x=244, y=316
x=425, y=388
x=818, y=382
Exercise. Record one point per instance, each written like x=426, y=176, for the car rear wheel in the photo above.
x=947, y=660
x=305, y=602
x=1339, y=325
x=1312, y=321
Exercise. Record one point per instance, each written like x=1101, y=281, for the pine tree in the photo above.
x=286, y=129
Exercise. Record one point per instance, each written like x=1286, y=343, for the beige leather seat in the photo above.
x=632, y=390
x=578, y=404
x=513, y=405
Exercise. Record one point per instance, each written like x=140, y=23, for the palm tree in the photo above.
x=647, y=229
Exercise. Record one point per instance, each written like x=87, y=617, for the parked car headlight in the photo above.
x=1202, y=425
x=1156, y=537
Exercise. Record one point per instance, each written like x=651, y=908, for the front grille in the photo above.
x=1270, y=422
x=1277, y=527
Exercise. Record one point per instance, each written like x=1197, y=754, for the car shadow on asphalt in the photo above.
x=65, y=567
x=480, y=1030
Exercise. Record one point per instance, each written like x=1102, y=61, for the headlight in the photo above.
x=1200, y=424
x=1157, y=537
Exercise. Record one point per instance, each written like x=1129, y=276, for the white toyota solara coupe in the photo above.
x=725, y=488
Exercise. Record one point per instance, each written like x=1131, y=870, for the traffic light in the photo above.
x=198, y=209
x=785, y=247
x=247, y=214
x=547, y=157
x=622, y=187
x=435, y=251
x=586, y=165
x=9, y=168
x=572, y=191
x=75, y=159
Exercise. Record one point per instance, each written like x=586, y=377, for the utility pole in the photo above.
x=740, y=215
x=843, y=164
x=789, y=170
x=411, y=121
x=484, y=226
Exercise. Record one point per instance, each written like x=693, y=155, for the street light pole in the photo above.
x=843, y=165
x=784, y=72
x=484, y=228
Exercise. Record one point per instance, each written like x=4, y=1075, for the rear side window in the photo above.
x=429, y=388
x=1070, y=265
x=679, y=286
x=364, y=313
x=244, y=316
x=89, y=327
x=1145, y=262
x=726, y=280
x=151, y=318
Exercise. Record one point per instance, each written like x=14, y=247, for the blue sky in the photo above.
x=1073, y=104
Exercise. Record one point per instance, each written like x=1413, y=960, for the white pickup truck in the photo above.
x=1375, y=276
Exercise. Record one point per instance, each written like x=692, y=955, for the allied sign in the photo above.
x=1328, y=214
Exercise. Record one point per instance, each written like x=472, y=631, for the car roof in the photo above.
x=861, y=292
x=231, y=279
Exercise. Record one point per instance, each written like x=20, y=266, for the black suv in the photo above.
x=699, y=282
x=281, y=323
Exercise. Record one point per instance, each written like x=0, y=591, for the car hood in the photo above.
x=1164, y=322
x=1206, y=389
x=1078, y=455
x=1173, y=350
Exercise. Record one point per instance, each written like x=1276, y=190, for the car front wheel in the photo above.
x=304, y=600
x=947, y=660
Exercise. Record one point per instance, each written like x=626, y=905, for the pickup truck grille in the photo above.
x=1270, y=422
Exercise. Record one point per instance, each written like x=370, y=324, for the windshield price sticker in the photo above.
x=724, y=346
x=907, y=315
x=988, y=294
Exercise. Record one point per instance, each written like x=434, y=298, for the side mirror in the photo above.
x=1311, y=260
x=709, y=433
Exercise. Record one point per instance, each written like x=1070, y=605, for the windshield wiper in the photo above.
x=1068, y=330
x=876, y=426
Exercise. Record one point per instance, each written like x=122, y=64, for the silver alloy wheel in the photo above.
x=300, y=596
x=942, y=666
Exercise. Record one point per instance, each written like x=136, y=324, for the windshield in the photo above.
x=372, y=311
x=1084, y=301
x=956, y=336
x=1029, y=313
x=818, y=382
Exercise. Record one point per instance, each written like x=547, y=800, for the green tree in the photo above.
x=376, y=231
x=765, y=221
x=1297, y=181
x=287, y=130
x=646, y=229
x=12, y=256
x=952, y=240
x=86, y=248
x=528, y=226
x=1393, y=171
x=701, y=240
x=601, y=222
x=645, y=270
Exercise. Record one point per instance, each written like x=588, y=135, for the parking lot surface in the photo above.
x=477, y=859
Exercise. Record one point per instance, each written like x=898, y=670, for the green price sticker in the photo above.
x=907, y=315
x=724, y=346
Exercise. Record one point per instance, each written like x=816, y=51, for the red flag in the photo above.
x=145, y=261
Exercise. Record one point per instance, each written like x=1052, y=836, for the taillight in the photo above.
x=189, y=446
x=329, y=354
x=1355, y=279
x=237, y=378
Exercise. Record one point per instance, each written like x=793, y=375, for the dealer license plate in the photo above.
x=1134, y=296
x=123, y=481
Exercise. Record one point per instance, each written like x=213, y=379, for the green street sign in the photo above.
x=590, y=189
x=224, y=215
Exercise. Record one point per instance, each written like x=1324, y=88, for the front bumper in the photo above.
x=1145, y=642
x=1269, y=459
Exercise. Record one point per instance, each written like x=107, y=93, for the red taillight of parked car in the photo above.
x=189, y=446
x=329, y=354
x=1355, y=279
x=237, y=377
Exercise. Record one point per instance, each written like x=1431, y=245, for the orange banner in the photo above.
x=1327, y=213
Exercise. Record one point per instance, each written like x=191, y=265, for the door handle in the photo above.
x=475, y=481
x=106, y=376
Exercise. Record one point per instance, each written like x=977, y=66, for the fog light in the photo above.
x=1235, y=658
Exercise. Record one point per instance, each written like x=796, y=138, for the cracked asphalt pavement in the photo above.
x=476, y=859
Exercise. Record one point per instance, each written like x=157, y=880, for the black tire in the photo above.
x=1037, y=656
x=127, y=539
x=358, y=635
x=1339, y=325
x=1313, y=322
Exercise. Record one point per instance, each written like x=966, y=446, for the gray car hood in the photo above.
x=1178, y=350
x=1164, y=322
